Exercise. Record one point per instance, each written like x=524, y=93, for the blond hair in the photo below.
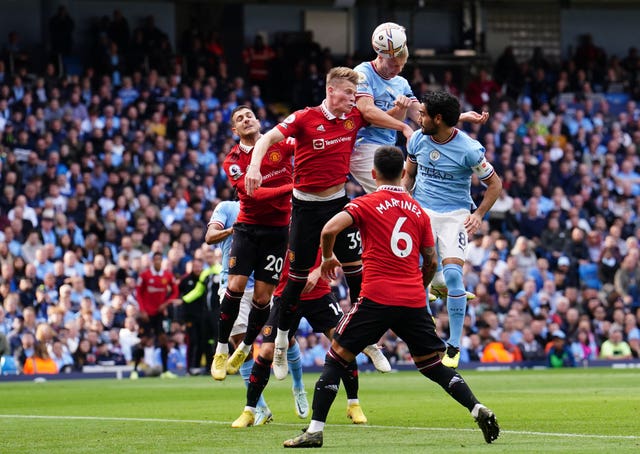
x=344, y=73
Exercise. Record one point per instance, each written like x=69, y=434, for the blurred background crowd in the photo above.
x=104, y=166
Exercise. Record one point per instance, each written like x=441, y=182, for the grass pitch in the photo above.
x=579, y=411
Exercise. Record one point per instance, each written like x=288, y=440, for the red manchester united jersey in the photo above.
x=321, y=288
x=323, y=146
x=271, y=203
x=393, y=229
x=154, y=289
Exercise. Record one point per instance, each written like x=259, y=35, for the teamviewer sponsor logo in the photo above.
x=318, y=144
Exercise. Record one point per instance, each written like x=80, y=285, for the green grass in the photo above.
x=580, y=410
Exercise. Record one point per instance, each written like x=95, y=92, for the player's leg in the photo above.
x=451, y=238
x=229, y=310
x=271, y=246
x=363, y=325
x=351, y=382
x=257, y=317
x=456, y=308
x=307, y=220
x=416, y=328
x=256, y=383
x=260, y=372
x=294, y=361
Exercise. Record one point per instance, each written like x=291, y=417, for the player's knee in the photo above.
x=453, y=277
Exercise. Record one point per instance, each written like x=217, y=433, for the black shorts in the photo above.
x=322, y=314
x=258, y=249
x=367, y=321
x=307, y=221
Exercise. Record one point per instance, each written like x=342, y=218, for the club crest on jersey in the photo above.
x=320, y=128
x=318, y=144
x=349, y=124
x=275, y=156
x=434, y=155
x=292, y=256
x=266, y=330
x=232, y=262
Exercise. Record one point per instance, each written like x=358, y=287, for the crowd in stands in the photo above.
x=100, y=170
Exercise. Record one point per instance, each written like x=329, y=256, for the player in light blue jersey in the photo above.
x=381, y=87
x=439, y=165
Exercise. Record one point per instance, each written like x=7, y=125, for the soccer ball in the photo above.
x=388, y=39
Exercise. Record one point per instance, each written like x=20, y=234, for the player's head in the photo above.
x=390, y=67
x=341, y=89
x=439, y=109
x=157, y=260
x=244, y=122
x=388, y=164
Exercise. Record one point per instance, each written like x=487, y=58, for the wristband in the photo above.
x=326, y=259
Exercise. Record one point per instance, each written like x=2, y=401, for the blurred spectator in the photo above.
x=627, y=280
x=530, y=348
x=61, y=356
x=615, y=347
x=40, y=362
x=257, y=58
x=559, y=354
x=481, y=90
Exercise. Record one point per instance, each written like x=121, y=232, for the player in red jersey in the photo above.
x=325, y=136
x=321, y=309
x=259, y=240
x=395, y=233
x=155, y=291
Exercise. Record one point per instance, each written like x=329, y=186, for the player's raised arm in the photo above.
x=253, y=178
x=379, y=118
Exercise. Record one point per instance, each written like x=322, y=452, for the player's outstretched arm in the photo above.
x=474, y=117
x=382, y=119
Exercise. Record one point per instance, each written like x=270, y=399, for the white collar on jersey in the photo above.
x=388, y=187
x=247, y=148
x=327, y=114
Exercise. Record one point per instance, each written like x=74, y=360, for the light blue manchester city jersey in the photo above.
x=443, y=178
x=384, y=92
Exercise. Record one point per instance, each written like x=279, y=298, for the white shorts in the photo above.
x=240, y=325
x=362, y=163
x=449, y=233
